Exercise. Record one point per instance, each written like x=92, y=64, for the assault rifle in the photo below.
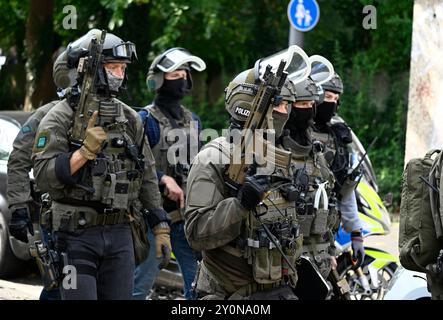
x=268, y=96
x=88, y=68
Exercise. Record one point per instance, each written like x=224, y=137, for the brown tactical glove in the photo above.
x=94, y=138
x=162, y=243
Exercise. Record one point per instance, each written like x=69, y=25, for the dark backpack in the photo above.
x=419, y=242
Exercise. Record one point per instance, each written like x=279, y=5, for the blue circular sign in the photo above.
x=303, y=14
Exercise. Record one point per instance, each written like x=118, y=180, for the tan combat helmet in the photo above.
x=169, y=61
x=241, y=92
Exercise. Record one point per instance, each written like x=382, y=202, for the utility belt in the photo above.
x=72, y=215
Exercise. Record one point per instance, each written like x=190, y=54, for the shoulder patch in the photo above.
x=41, y=141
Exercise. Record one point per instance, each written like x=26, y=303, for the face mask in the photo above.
x=173, y=88
x=114, y=82
x=300, y=119
x=279, y=120
x=325, y=111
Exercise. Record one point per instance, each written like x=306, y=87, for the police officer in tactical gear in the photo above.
x=240, y=261
x=170, y=77
x=99, y=185
x=23, y=197
x=22, y=194
x=315, y=205
x=336, y=138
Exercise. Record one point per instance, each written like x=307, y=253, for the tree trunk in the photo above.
x=424, y=130
x=40, y=87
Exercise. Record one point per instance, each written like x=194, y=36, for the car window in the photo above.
x=8, y=132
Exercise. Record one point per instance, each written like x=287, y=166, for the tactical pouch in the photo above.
x=298, y=247
x=108, y=189
x=320, y=223
x=98, y=183
x=305, y=222
x=121, y=194
x=139, y=237
x=46, y=219
x=266, y=265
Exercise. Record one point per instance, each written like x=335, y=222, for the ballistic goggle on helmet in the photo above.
x=169, y=61
x=242, y=90
x=117, y=50
x=114, y=50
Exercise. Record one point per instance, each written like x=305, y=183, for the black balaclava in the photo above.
x=169, y=96
x=299, y=120
x=324, y=113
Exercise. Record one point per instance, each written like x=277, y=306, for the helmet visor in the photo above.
x=176, y=57
x=297, y=63
x=321, y=69
x=124, y=51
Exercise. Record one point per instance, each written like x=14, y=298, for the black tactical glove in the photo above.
x=253, y=191
x=19, y=225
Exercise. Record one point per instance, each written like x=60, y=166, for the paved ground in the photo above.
x=29, y=288
x=25, y=288
x=388, y=243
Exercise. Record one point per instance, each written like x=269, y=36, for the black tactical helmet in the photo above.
x=307, y=90
x=335, y=84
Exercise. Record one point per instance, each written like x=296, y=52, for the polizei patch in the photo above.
x=242, y=112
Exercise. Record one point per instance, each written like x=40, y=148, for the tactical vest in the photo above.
x=316, y=208
x=160, y=150
x=179, y=171
x=328, y=141
x=254, y=246
x=337, y=156
x=110, y=184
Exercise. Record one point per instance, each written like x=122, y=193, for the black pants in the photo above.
x=101, y=263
